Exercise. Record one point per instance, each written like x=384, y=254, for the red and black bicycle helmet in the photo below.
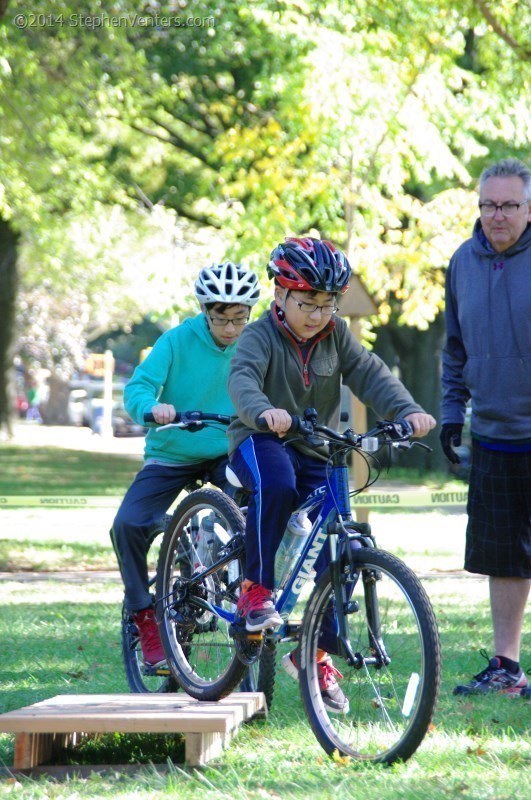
x=309, y=264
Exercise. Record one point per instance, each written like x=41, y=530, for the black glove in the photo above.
x=451, y=435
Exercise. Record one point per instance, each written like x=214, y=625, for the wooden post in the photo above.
x=357, y=303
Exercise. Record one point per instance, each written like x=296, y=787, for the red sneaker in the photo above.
x=148, y=633
x=257, y=608
x=333, y=697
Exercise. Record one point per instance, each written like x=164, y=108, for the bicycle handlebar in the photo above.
x=397, y=433
x=385, y=431
x=188, y=419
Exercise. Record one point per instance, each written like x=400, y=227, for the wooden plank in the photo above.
x=43, y=728
x=136, y=713
x=200, y=748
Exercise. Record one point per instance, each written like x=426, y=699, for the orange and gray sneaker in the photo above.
x=148, y=633
x=494, y=678
x=256, y=607
x=334, y=699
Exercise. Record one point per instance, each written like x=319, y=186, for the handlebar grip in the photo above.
x=148, y=417
x=295, y=426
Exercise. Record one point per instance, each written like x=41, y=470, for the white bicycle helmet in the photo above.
x=227, y=283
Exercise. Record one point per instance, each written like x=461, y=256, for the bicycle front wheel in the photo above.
x=391, y=684
x=199, y=649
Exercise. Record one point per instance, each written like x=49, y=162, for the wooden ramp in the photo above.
x=43, y=729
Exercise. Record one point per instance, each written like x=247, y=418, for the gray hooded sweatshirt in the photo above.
x=269, y=370
x=487, y=356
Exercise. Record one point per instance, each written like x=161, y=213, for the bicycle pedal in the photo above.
x=238, y=631
x=163, y=672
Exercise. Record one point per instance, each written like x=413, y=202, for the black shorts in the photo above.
x=498, y=536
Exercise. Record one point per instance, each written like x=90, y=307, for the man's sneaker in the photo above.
x=257, y=608
x=148, y=633
x=494, y=679
x=333, y=698
x=526, y=691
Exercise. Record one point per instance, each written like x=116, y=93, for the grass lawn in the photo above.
x=62, y=637
x=54, y=470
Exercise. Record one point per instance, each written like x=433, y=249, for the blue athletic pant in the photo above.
x=278, y=478
x=146, y=501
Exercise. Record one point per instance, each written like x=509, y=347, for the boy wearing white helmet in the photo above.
x=187, y=369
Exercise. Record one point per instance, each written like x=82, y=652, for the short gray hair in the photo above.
x=507, y=168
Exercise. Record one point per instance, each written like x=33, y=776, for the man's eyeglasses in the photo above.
x=309, y=308
x=222, y=322
x=507, y=209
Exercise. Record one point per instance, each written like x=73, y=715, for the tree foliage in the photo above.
x=367, y=122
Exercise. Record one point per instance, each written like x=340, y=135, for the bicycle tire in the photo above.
x=388, y=714
x=139, y=679
x=262, y=674
x=202, y=657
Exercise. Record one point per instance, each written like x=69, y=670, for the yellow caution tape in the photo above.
x=59, y=501
x=420, y=498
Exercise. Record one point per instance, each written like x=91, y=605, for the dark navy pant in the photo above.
x=146, y=501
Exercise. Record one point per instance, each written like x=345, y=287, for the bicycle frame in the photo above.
x=332, y=503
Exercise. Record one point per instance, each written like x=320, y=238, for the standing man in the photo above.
x=487, y=360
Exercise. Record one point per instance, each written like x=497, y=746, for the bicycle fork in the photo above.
x=343, y=585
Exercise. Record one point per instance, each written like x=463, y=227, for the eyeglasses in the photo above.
x=221, y=322
x=507, y=209
x=309, y=308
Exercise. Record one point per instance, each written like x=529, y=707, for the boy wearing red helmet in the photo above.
x=294, y=357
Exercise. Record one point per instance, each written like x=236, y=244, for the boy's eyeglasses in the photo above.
x=507, y=209
x=309, y=308
x=221, y=322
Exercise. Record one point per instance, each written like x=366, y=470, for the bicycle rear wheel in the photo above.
x=261, y=675
x=201, y=653
x=392, y=687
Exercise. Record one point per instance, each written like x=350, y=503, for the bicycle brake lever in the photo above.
x=421, y=444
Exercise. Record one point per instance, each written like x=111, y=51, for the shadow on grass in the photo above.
x=22, y=555
x=52, y=470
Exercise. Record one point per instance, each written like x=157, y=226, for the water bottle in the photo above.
x=297, y=532
x=204, y=542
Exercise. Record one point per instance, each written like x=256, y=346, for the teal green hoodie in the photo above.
x=187, y=369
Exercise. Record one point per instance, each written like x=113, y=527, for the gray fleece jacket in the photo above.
x=269, y=370
x=487, y=356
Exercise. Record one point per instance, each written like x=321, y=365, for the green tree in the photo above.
x=414, y=100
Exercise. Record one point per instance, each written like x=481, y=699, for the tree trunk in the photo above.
x=418, y=355
x=8, y=291
x=54, y=411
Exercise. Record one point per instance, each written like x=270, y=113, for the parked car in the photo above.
x=123, y=425
x=85, y=408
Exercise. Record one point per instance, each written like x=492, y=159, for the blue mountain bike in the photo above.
x=387, y=644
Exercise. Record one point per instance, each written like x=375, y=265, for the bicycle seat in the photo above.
x=232, y=477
